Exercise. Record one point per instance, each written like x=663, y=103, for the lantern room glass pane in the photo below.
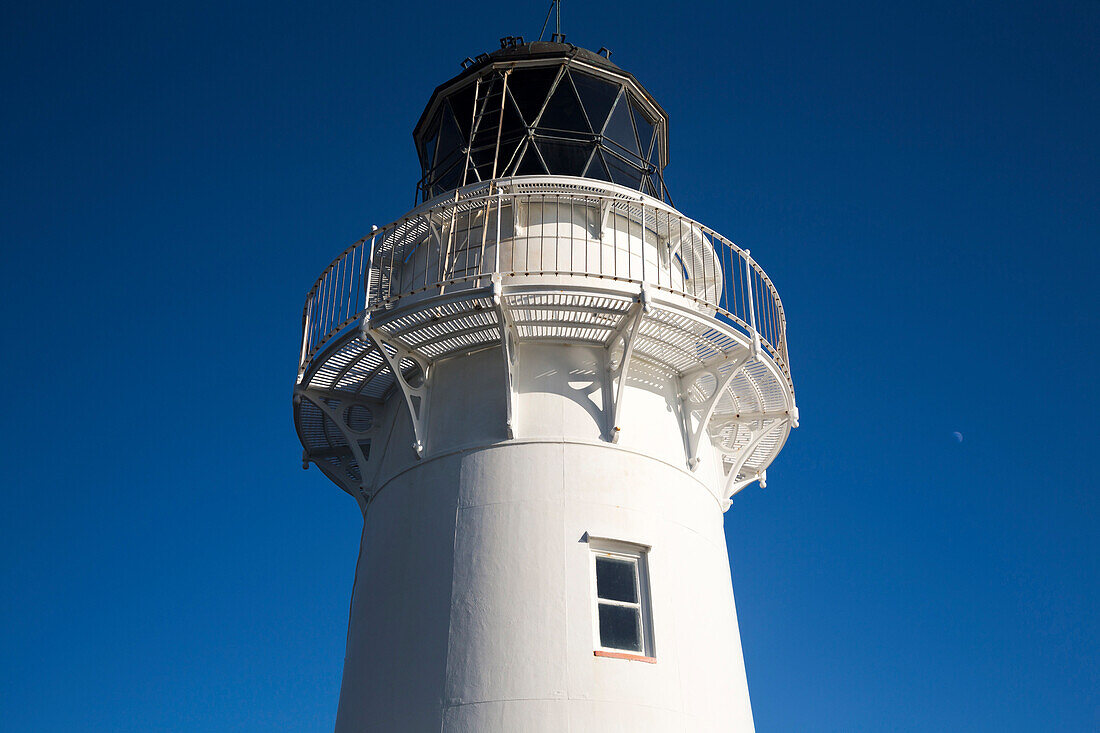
x=563, y=111
x=427, y=148
x=529, y=88
x=505, y=159
x=510, y=121
x=462, y=103
x=619, y=127
x=450, y=179
x=620, y=628
x=596, y=96
x=644, y=127
x=616, y=579
x=450, y=139
x=597, y=169
x=623, y=173
x=565, y=159
x=531, y=164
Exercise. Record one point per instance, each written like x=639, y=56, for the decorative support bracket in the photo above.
x=605, y=212
x=415, y=397
x=721, y=384
x=628, y=330
x=336, y=406
x=732, y=485
x=762, y=477
x=508, y=341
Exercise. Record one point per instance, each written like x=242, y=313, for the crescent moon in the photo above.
x=958, y=436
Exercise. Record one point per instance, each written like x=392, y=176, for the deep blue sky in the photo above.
x=921, y=181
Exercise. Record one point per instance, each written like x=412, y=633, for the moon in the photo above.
x=958, y=436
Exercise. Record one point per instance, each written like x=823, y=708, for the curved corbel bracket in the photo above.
x=627, y=330
x=336, y=406
x=732, y=485
x=416, y=397
x=721, y=384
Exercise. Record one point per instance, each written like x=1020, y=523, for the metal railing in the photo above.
x=544, y=226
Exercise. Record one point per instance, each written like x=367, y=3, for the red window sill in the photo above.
x=624, y=655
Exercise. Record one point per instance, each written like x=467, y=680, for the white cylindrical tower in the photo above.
x=543, y=385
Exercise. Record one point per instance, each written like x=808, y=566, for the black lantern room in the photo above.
x=537, y=109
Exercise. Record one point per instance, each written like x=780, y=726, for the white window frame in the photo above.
x=617, y=549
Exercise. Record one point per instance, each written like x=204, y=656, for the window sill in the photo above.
x=625, y=655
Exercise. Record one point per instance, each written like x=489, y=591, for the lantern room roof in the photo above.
x=536, y=50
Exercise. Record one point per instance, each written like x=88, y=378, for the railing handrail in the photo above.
x=332, y=301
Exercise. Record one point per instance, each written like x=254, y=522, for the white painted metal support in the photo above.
x=324, y=400
x=752, y=308
x=628, y=331
x=747, y=417
x=417, y=398
x=347, y=398
x=434, y=233
x=370, y=269
x=508, y=341
x=721, y=384
x=605, y=212
x=762, y=477
x=305, y=341
x=500, y=205
x=647, y=301
x=732, y=486
x=710, y=365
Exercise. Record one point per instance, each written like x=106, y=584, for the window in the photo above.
x=622, y=621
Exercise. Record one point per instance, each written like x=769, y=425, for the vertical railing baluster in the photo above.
x=752, y=311
x=500, y=203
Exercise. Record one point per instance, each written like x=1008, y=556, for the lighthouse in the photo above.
x=543, y=385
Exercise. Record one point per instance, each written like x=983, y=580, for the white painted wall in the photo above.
x=473, y=607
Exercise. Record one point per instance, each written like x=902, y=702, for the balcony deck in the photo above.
x=552, y=259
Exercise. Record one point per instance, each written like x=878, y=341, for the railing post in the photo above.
x=370, y=269
x=752, y=310
x=500, y=204
x=305, y=336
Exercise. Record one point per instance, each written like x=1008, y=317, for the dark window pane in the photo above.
x=596, y=95
x=597, y=169
x=644, y=127
x=531, y=164
x=565, y=159
x=511, y=123
x=563, y=111
x=462, y=102
x=482, y=160
x=622, y=152
x=623, y=173
x=620, y=128
x=615, y=579
x=506, y=161
x=529, y=87
x=620, y=628
x=427, y=149
x=450, y=179
x=450, y=139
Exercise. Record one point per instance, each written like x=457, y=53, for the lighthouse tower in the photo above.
x=543, y=385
